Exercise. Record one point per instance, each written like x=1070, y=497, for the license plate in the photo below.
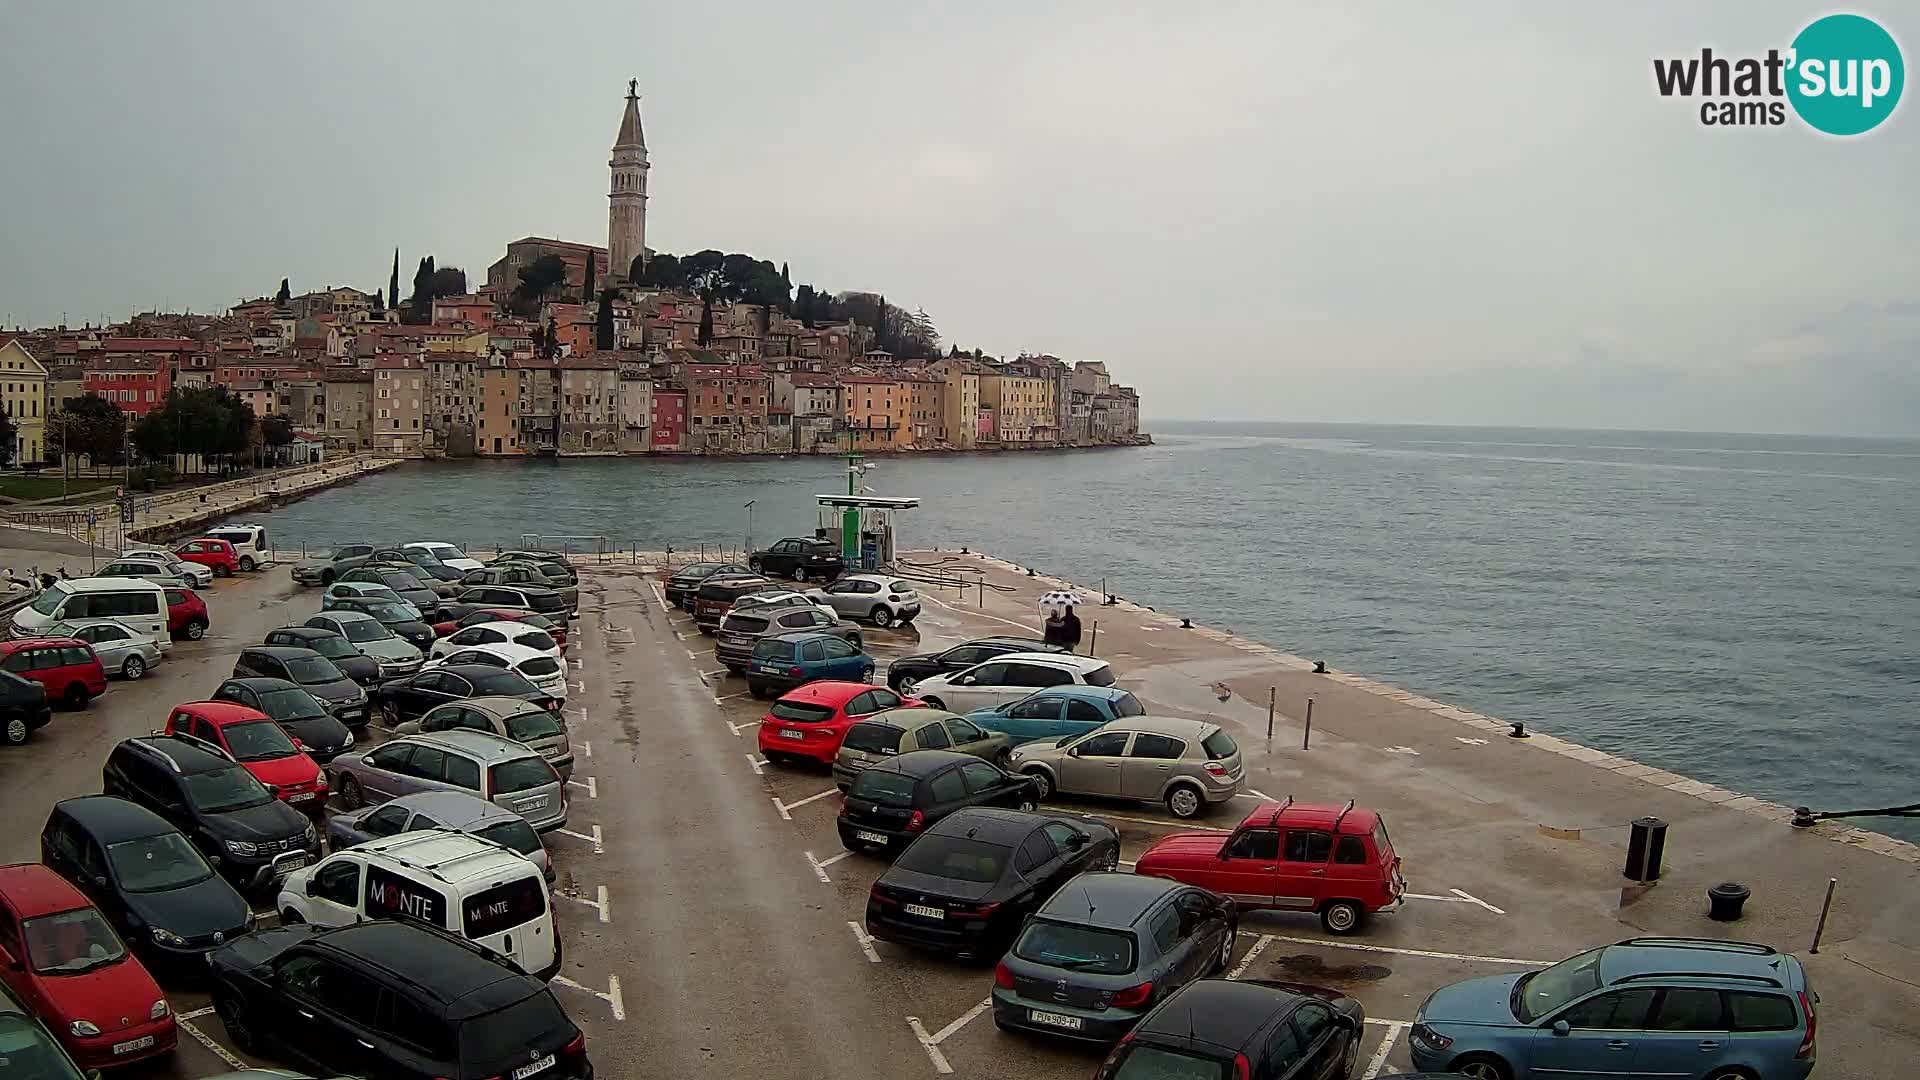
x=1059, y=1020
x=540, y=1066
x=789, y=733
x=305, y=796
x=533, y=804
x=287, y=865
x=767, y=669
x=872, y=838
x=352, y=714
x=129, y=1047
x=924, y=910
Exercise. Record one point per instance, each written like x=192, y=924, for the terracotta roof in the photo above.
x=591, y=362
x=135, y=344
x=395, y=363
x=807, y=379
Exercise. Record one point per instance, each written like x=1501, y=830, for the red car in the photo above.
x=217, y=554
x=66, y=667
x=59, y=957
x=1335, y=860
x=556, y=631
x=259, y=745
x=186, y=614
x=810, y=722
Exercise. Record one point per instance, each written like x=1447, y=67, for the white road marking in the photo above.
x=206, y=1040
x=784, y=807
x=577, y=665
x=599, y=845
x=611, y=997
x=592, y=787
x=1253, y=954
x=1164, y=824
x=1358, y=947
x=759, y=764
x=599, y=905
x=1401, y=750
x=732, y=697
x=195, y=1014
x=820, y=865
x=580, y=686
x=586, y=748
x=931, y=1043
x=1460, y=896
x=738, y=728
x=1128, y=863
x=1379, y=1059
x=660, y=596
x=1469, y=742
x=866, y=943
x=980, y=614
x=721, y=674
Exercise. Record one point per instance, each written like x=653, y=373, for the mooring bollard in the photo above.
x=1271, y=691
x=1306, y=735
x=1093, y=644
x=1820, y=928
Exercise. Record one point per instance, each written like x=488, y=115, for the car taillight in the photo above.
x=1805, y=1053
x=1002, y=977
x=917, y=821
x=1241, y=1070
x=874, y=894
x=578, y=1044
x=795, y=672
x=1133, y=996
x=1215, y=769
x=978, y=911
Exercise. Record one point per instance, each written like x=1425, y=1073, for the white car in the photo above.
x=202, y=575
x=543, y=671
x=496, y=633
x=446, y=553
x=785, y=598
x=249, y=544
x=1009, y=678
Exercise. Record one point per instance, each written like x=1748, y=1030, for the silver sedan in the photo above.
x=121, y=651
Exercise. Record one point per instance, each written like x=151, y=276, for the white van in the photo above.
x=451, y=881
x=249, y=544
x=138, y=604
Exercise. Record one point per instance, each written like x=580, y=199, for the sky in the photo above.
x=1470, y=213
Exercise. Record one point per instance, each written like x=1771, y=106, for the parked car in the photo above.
x=187, y=614
x=1334, y=860
x=59, y=955
x=784, y=661
x=343, y=697
x=878, y=598
x=64, y=666
x=547, y=675
x=450, y=881
x=1190, y=765
x=905, y=673
x=249, y=835
x=471, y=762
x=435, y=574
x=404, y=583
x=902, y=731
x=973, y=877
x=1259, y=1030
x=1008, y=678
x=810, y=722
x=352, y=662
x=446, y=553
x=742, y=628
x=522, y=576
x=455, y=810
x=800, y=558
x=299, y=714
x=1104, y=950
x=522, y=721
x=520, y=597
x=449, y=1008
x=406, y=623
x=339, y=591
x=683, y=585
x=1671, y=1006
x=370, y=637
x=252, y=739
x=217, y=556
x=891, y=802
x=249, y=544
x=496, y=632
x=192, y=573
x=120, y=651
x=543, y=556
x=139, y=603
x=23, y=708
x=323, y=567
x=777, y=597
x=154, y=569
x=1047, y=715
x=32, y=1051
x=150, y=882
x=716, y=596
x=462, y=616
x=409, y=698
x=559, y=577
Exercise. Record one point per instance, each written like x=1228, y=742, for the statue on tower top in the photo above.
x=633, y=85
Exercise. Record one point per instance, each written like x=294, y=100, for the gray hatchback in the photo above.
x=486, y=766
x=517, y=719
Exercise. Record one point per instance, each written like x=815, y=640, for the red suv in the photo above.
x=259, y=745
x=186, y=614
x=62, y=959
x=65, y=667
x=812, y=721
x=215, y=554
x=1335, y=860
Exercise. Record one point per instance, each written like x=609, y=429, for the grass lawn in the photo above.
x=48, y=485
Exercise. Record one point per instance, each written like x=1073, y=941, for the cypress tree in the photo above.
x=393, y=283
x=603, y=322
x=285, y=293
x=586, y=289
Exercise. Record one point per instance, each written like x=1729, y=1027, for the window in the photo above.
x=1085, y=712
x=1035, y=852
x=392, y=758
x=463, y=772
x=427, y=763
x=1311, y=1022
x=385, y=821
x=989, y=675
x=1160, y=747
x=981, y=776
x=1281, y=1052
x=964, y=732
x=1105, y=744
x=1621, y=1010
x=934, y=737
x=1255, y=844
x=1761, y=1012
x=1683, y=1009
x=1350, y=851
x=947, y=787
x=338, y=882
x=1165, y=928
x=1308, y=845
x=339, y=990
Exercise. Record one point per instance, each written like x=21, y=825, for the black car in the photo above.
x=552, y=559
x=300, y=713
x=23, y=708
x=424, y=566
x=148, y=879
x=401, y=579
x=970, y=880
x=802, y=558
x=312, y=672
x=352, y=663
x=533, y=598
x=251, y=837
x=684, y=584
x=409, y=698
x=907, y=671
x=413, y=631
x=892, y=802
x=394, y=1000
x=1247, y=1028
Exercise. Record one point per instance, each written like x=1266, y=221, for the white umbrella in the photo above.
x=1058, y=600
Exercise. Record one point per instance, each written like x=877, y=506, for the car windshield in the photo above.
x=321, y=555
x=885, y=788
x=49, y=600
x=873, y=738
x=332, y=646
x=157, y=863
x=1544, y=992
x=258, y=740
x=773, y=649
x=505, y=1035
x=1076, y=948
x=532, y=724
x=399, y=579
x=695, y=570
x=1219, y=746
x=307, y=670
x=70, y=942
x=289, y=704
x=29, y=1053
x=956, y=857
x=1100, y=676
x=364, y=630
x=386, y=611
x=504, y=683
x=1144, y=1062
x=1127, y=705
x=222, y=790
x=443, y=552
x=537, y=639
x=522, y=774
x=800, y=712
x=516, y=835
x=539, y=667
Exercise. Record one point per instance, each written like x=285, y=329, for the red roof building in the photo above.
x=136, y=385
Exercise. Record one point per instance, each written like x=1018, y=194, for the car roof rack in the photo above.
x=146, y=744
x=1718, y=944
x=1274, y=821
x=1762, y=980
x=1341, y=816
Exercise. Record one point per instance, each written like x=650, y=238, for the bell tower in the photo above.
x=627, y=197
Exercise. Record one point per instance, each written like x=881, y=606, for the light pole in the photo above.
x=749, y=509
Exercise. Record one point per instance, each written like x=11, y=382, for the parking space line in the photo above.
x=1460, y=896
x=659, y=595
x=710, y=675
x=592, y=787
x=1379, y=1059
x=1358, y=947
x=931, y=1043
x=195, y=1014
x=586, y=748
x=1251, y=793
x=785, y=807
x=759, y=764
x=738, y=728
x=599, y=905
x=820, y=865
x=599, y=845
x=1253, y=954
x=207, y=1040
x=866, y=943
x=611, y=997
x=732, y=697
x=980, y=614
x=1166, y=824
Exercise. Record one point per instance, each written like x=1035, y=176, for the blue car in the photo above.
x=781, y=662
x=1057, y=711
x=1680, y=1007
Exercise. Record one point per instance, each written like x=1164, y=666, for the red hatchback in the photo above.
x=811, y=722
x=186, y=614
x=262, y=747
x=59, y=956
x=1335, y=860
x=64, y=666
x=217, y=555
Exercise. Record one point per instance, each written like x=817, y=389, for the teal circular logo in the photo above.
x=1846, y=74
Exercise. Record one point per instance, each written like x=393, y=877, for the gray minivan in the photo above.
x=514, y=718
x=494, y=768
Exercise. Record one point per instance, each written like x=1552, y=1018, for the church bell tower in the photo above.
x=627, y=198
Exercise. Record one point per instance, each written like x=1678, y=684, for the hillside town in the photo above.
x=574, y=349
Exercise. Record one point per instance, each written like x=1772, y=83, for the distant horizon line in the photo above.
x=1146, y=422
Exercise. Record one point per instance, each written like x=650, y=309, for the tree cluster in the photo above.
x=90, y=427
x=538, y=280
x=430, y=283
x=206, y=421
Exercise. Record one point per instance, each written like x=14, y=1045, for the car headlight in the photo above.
x=311, y=834
x=241, y=847
x=1428, y=1039
x=348, y=745
x=167, y=937
x=250, y=919
x=83, y=1027
x=159, y=1010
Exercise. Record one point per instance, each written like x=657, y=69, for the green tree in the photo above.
x=446, y=281
x=603, y=322
x=393, y=282
x=417, y=307
x=803, y=305
x=89, y=426
x=285, y=294
x=538, y=277
x=553, y=339
x=586, y=287
x=8, y=439
x=276, y=434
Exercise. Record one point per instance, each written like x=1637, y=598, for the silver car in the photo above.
x=147, y=569
x=880, y=599
x=122, y=651
x=330, y=599
x=522, y=721
x=202, y=575
x=440, y=810
x=490, y=767
x=742, y=629
x=1190, y=765
x=395, y=654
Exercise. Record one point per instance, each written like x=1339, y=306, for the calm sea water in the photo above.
x=1744, y=609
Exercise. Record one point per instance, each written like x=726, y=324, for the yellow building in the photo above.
x=24, y=396
x=1022, y=408
x=957, y=409
x=879, y=413
x=498, y=433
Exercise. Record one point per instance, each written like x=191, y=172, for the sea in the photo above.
x=1743, y=609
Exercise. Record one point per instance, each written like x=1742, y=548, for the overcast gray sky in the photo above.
x=1375, y=212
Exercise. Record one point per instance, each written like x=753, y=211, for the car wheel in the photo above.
x=800, y=574
x=1483, y=1067
x=1351, y=1058
x=196, y=630
x=134, y=667
x=326, y=578
x=856, y=641
x=1111, y=862
x=929, y=702
x=221, y=571
x=1225, y=956
x=76, y=696
x=866, y=674
x=15, y=731
x=351, y=796
x=247, y=564
x=1184, y=801
x=290, y=917
x=390, y=714
x=881, y=615
x=753, y=565
x=1342, y=917
x=234, y=1016
x=1042, y=783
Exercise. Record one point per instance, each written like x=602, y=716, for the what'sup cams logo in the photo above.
x=1842, y=75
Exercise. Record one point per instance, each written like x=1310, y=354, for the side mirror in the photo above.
x=100, y=881
x=1077, y=841
x=309, y=887
x=1562, y=1028
x=964, y=680
x=300, y=746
